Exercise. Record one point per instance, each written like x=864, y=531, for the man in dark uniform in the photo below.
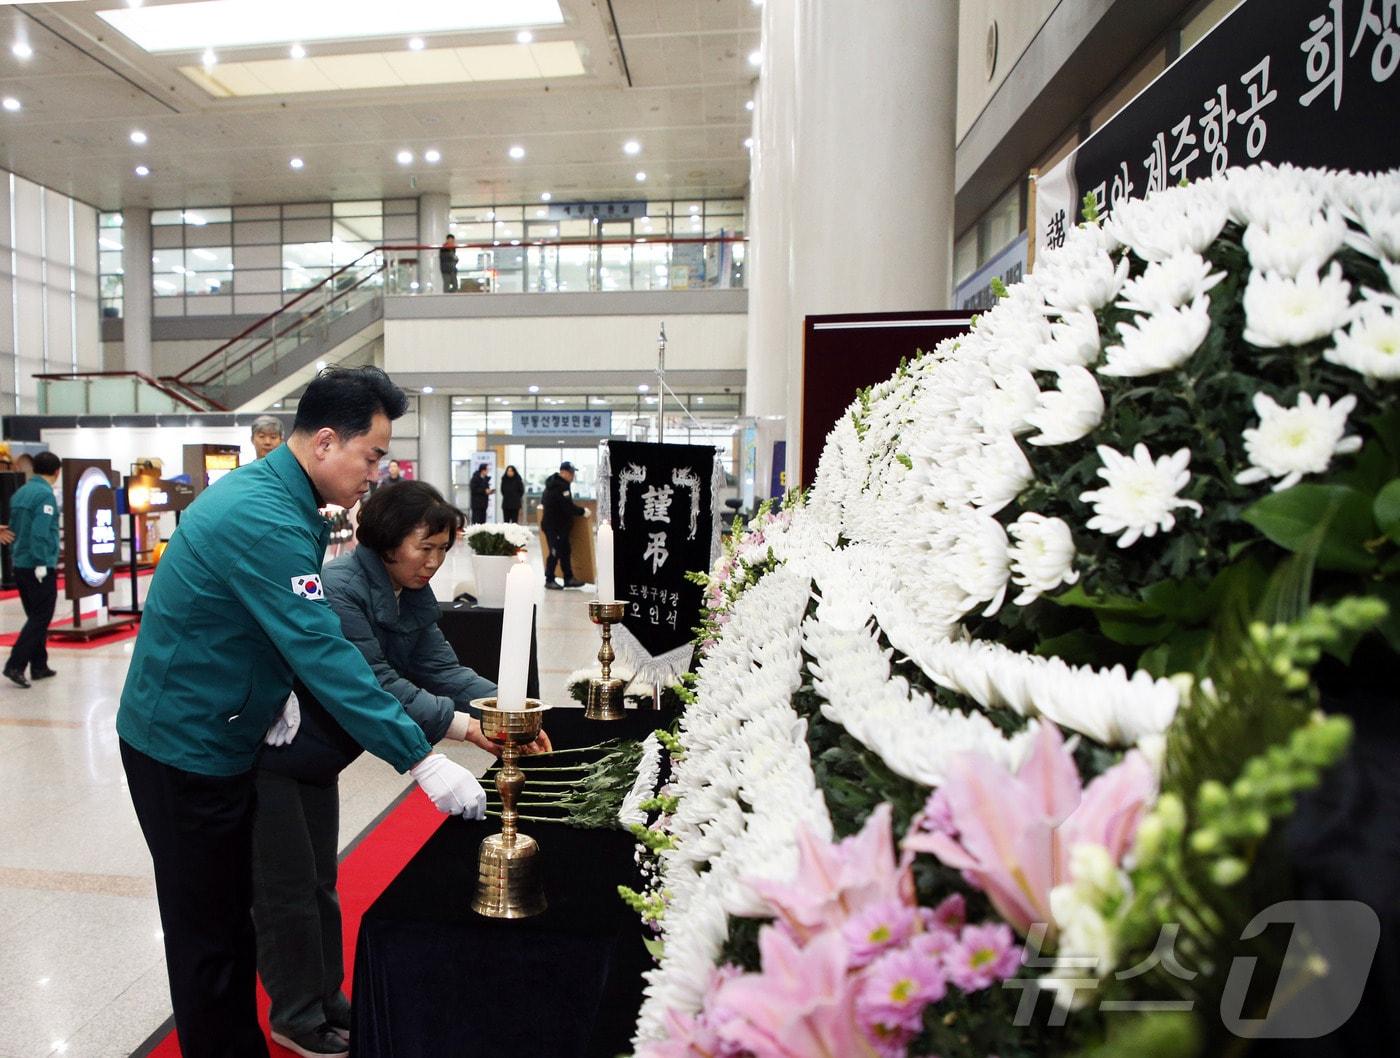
x=447, y=264
x=557, y=521
x=34, y=517
x=235, y=608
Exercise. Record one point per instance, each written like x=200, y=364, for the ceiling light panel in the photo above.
x=253, y=23
x=389, y=69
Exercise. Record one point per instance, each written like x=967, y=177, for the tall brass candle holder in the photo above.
x=605, y=691
x=508, y=880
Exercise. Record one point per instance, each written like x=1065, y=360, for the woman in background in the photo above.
x=481, y=493
x=512, y=494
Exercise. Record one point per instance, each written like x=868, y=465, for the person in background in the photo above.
x=381, y=595
x=557, y=522
x=447, y=264
x=512, y=494
x=235, y=609
x=395, y=472
x=34, y=523
x=481, y=493
x=267, y=434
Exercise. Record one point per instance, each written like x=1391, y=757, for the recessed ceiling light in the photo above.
x=524, y=37
x=695, y=209
x=517, y=152
x=405, y=157
x=141, y=170
x=296, y=163
x=748, y=142
x=20, y=49
x=209, y=58
x=534, y=389
x=748, y=105
x=432, y=156
x=10, y=103
x=427, y=390
x=138, y=137
x=416, y=44
x=631, y=147
x=643, y=388
x=641, y=178
x=755, y=58
x=541, y=212
x=700, y=399
x=545, y=196
x=297, y=51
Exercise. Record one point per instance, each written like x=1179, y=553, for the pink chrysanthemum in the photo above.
x=896, y=988
x=982, y=956
x=880, y=927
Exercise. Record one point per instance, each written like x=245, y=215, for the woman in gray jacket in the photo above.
x=380, y=593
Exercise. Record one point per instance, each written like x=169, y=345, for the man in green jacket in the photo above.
x=34, y=521
x=235, y=609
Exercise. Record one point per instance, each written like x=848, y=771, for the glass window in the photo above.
x=161, y=217
x=209, y=259
x=203, y=283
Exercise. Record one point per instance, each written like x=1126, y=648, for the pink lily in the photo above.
x=803, y=1004
x=835, y=881
x=1011, y=835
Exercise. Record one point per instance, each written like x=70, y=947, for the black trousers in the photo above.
x=479, y=512
x=38, y=598
x=510, y=514
x=199, y=829
x=560, y=550
x=295, y=906
x=449, y=280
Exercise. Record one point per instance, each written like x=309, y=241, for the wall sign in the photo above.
x=561, y=423
x=974, y=294
x=625, y=210
x=1301, y=81
x=89, y=526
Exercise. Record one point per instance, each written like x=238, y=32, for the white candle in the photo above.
x=603, y=556
x=516, y=626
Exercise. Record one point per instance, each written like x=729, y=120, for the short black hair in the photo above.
x=47, y=463
x=346, y=399
x=395, y=510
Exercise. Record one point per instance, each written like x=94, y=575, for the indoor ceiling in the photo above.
x=672, y=75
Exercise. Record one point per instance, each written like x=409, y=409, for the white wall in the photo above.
x=124, y=445
x=48, y=289
x=564, y=343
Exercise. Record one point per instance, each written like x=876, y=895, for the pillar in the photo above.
x=434, y=212
x=136, y=290
x=435, y=441
x=871, y=180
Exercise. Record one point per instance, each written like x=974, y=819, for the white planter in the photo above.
x=491, y=572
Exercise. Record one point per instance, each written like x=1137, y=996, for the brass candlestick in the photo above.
x=508, y=882
x=605, y=691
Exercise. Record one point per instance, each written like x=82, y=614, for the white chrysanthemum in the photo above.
x=1081, y=275
x=1371, y=345
x=1043, y=556
x=979, y=561
x=1141, y=494
x=1160, y=342
x=1074, y=342
x=1172, y=221
x=1283, y=311
x=1291, y=442
x=1289, y=246
x=1169, y=284
x=1070, y=411
x=1374, y=202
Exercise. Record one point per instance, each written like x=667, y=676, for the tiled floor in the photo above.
x=82, y=972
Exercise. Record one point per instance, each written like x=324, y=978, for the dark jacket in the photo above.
x=447, y=259
x=512, y=491
x=480, y=491
x=558, y=502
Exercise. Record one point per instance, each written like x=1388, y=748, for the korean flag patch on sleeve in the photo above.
x=308, y=586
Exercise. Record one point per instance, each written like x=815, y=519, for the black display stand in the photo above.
x=433, y=978
x=474, y=633
x=10, y=481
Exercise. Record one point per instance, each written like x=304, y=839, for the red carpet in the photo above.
x=365, y=871
x=7, y=639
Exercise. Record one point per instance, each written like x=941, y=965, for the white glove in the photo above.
x=284, y=728
x=41, y=572
x=450, y=786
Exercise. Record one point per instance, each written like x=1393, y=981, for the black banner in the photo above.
x=662, y=509
x=1308, y=82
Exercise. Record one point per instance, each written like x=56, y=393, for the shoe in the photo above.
x=324, y=1042
x=41, y=674
x=16, y=676
x=552, y=585
x=571, y=583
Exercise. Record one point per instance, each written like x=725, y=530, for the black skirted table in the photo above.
x=433, y=979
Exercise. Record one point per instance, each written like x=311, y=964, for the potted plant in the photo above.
x=494, y=549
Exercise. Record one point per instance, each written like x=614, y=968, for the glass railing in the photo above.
x=110, y=393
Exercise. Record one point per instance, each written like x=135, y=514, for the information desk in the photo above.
x=435, y=980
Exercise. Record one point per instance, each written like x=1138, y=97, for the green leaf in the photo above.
x=1334, y=520
x=1387, y=510
x=655, y=946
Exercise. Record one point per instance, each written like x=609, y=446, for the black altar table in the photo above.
x=435, y=980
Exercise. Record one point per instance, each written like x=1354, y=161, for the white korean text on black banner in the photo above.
x=1308, y=82
x=661, y=504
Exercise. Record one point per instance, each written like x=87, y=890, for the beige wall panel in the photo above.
x=1017, y=22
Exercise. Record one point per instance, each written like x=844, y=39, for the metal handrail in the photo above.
x=140, y=376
